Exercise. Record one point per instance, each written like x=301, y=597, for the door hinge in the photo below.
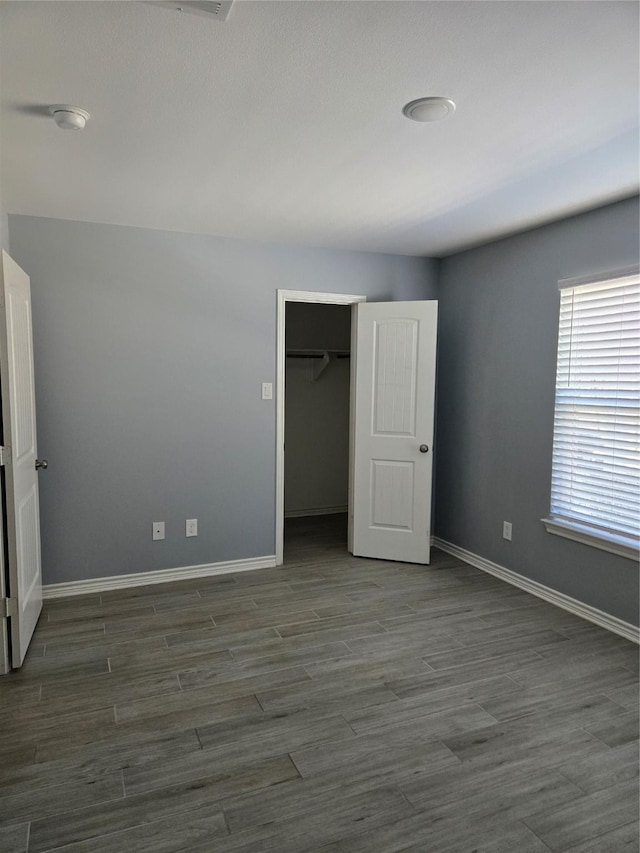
x=5, y=456
x=8, y=607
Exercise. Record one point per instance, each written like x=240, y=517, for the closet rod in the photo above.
x=318, y=353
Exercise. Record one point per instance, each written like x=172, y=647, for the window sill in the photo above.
x=620, y=545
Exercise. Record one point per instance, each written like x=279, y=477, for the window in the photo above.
x=595, y=484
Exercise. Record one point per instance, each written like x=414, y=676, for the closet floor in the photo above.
x=335, y=705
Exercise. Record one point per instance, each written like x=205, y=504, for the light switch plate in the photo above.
x=267, y=391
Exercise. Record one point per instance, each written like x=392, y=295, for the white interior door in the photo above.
x=393, y=429
x=19, y=435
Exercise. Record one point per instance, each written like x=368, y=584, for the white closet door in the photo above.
x=394, y=410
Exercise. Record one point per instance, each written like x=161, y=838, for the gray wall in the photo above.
x=497, y=359
x=150, y=348
x=4, y=225
x=4, y=230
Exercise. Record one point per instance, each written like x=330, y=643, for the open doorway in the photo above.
x=391, y=411
x=313, y=397
x=316, y=434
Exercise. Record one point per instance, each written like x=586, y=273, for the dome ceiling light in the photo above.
x=68, y=117
x=429, y=109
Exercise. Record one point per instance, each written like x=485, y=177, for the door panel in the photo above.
x=394, y=408
x=392, y=484
x=21, y=483
x=394, y=381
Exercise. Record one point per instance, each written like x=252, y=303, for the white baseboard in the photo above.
x=572, y=605
x=58, y=590
x=323, y=510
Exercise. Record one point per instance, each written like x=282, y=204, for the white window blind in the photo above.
x=596, y=441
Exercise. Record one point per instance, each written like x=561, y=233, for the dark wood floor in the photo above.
x=332, y=706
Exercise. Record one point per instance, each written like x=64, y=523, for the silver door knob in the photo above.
x=424, y=448
x=42, y=463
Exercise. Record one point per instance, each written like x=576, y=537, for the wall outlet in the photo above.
x=192, y=527
x=158, y=530
x=506, y=530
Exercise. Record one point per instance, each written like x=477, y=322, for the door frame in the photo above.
x=284, y=296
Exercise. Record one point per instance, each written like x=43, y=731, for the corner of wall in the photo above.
x=415, y=281
x=4, y=230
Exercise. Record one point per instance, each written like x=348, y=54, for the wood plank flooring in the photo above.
x=335, y=705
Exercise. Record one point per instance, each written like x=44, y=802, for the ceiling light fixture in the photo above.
x=429, y=109
x=68, y=117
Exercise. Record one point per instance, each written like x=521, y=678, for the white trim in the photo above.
x=592, y=536
x=58, y=590
x=352, y=423
x=594, y=278
x=321, y=510
x=572, y=605
x=284, y=296
x=323, y=298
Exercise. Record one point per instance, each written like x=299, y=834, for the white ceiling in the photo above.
x=285, y=124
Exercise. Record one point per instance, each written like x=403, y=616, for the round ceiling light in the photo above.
x=68, y=117
x=429, y=109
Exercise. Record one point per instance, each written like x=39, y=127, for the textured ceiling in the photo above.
x=284, y=123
